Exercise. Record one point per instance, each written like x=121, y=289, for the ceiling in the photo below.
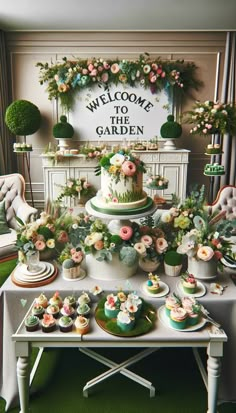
x=158, y=15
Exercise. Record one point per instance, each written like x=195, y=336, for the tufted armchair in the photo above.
x=225, y=201
x=12, y=190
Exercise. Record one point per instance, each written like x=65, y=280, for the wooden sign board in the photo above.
x=119, y=113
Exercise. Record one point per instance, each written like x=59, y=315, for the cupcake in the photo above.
x=31, y=323
x=194, y=314
x=135, y=300
x=54, y=310
x=152, y=284
x=65, y=324
x=56, y=299
x=38, y=310
x=48, y=323
x=189, y=283
x=125, y=321
x=178, y=318
x=111, y=306
x=130, y=307
x=70, y=300
x=172, y=301
x=68, y=310
x=42, y=300
x=188, y=302
x=83, y=309
x=84, y=299
x=82, y=325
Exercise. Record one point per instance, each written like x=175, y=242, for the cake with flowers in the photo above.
x=189, y=283
x=121, y=184
x=152, y=284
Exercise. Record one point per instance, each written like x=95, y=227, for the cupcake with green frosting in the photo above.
x=65, y=324
x=31, y=323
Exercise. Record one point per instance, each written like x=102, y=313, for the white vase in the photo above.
x=108, y=270
x=202, y=269
x=172, y=270
x=148, y=265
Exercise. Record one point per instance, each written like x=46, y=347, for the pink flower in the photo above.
x=205, y=253
x=63, y=237
x=126, y=233
x=153, y=79
x=115, y=68
x=105, y=77
x=154, y=66
x=94, y=72
x=73, y=251
x=85, y=71
x=163, y=74
x=115, y=200
x=159, y=70
x=161, y=245
x=77, y=256
x=90, y=67
x=218, y=255
x=147, y=240
x=40, y=245
x=128, y=168
x=106, y=65
x=99, y=245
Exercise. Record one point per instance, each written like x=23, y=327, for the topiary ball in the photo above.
x=68, y=263
x=171, y=129
x=173, y=258
x=23, y=118
x=63, y=129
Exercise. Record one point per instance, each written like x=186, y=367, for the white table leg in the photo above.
x=23, y=383
x=213, y=369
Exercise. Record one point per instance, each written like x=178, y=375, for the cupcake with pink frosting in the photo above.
x=178, y=318
x=189, y=283
x=172, y=301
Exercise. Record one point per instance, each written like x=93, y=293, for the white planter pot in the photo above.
x=172, y=270
x=202, y=269
x=148, y=265
x=108, y=270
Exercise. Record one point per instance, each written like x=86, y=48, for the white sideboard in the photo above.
x=173, y=165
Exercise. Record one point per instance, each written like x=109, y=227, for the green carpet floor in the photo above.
x=5, y=270
x=63, y=373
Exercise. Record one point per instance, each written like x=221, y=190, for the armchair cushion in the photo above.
x=225, y=201
x=4, y=229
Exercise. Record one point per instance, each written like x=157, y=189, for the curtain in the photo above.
x=7, y=159
x=228, y=158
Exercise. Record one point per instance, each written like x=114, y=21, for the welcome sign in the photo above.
x=119, y=113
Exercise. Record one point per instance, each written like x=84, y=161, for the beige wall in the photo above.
x=27, y=48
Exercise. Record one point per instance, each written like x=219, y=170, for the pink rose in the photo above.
x=129, y=168
x=105, y=77
x=153, y=79
x=161, y=245
x=40, y=245
x=94, y=72
x=77, y=256
x=115, y=68
x=85, y=71
x=90, y=67
x=218, y=255
x=63, y=237
x=126, y=233
x=205, y=253
x=99, y=245
x=147, y=240
x=106, y=65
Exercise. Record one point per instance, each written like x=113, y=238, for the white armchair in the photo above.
x=12, y=190
x=225, y=201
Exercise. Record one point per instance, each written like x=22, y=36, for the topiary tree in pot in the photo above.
x=172, y=263
x=23, y=118
x=170, y=130
x=63, y=131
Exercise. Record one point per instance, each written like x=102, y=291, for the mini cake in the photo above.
x=54, y=310
x=188, y=302
x=178, y=318
x=83, y=299
x=111, y=306
x=70, y=300
x=172, y=301
x=38, y=310
x=56, y=299
x=48, y=323
x=125, y=321
x=82, y=325
x=83, y=309
x=68, y=310
x=194, y=314
x=213, y=149
x=189, y=283
x=65, y=324
x=130, y=307
x=157, y=182
x=31, y=323
x=42, y=300
x=152, y=284
x=214, y=169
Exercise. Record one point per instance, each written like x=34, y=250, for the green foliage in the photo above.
x=173, y=258
x=128, y=255
x=63, y=129
x=171, y=129
x=23, y=118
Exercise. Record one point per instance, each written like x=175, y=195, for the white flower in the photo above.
x=166, y=217
x=92, y=238
x=117, y=159
x=140, y=248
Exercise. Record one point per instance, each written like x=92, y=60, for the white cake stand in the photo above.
x=118, y=221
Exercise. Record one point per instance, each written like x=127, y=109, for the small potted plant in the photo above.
x=172, y=263
x=170, y=130
x=63, y=131
x=71, y=259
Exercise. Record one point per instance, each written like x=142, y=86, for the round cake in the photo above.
x=125, y=321
x=214, y=169
x=121, y=183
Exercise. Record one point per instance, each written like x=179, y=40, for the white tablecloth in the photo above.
x=15, y=301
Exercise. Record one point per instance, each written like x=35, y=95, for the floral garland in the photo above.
x=64, y=79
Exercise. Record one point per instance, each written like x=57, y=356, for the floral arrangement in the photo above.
x=77, y=188
x=191, y=230
x=74, y=255
x=120, y=163
x=47, y=234
x=212, y=117
x=65, y=78
x=157, y=182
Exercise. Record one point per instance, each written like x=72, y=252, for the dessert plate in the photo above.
x=200, y=290
x=26, y=278
x=164, y=289
x=164, y=319
x=23, y=268
x=82, y=275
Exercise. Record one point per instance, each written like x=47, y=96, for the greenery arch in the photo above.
x=66, y=78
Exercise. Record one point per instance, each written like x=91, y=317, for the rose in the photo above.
x=105, y=77
x=140, y=248
x=63, y=237
x=77, y=256
x=205, y=253
x=115, y=68
x=129, y=168
x=50, y=243
x=146, y=240
x=40, y=245
x=92, y=238
x=161, y=245
x=126, y=233
x=99, y=245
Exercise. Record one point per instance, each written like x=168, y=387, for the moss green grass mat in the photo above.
x=179, y=387
x=6, y=268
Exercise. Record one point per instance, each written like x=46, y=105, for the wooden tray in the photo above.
x=36, y=283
